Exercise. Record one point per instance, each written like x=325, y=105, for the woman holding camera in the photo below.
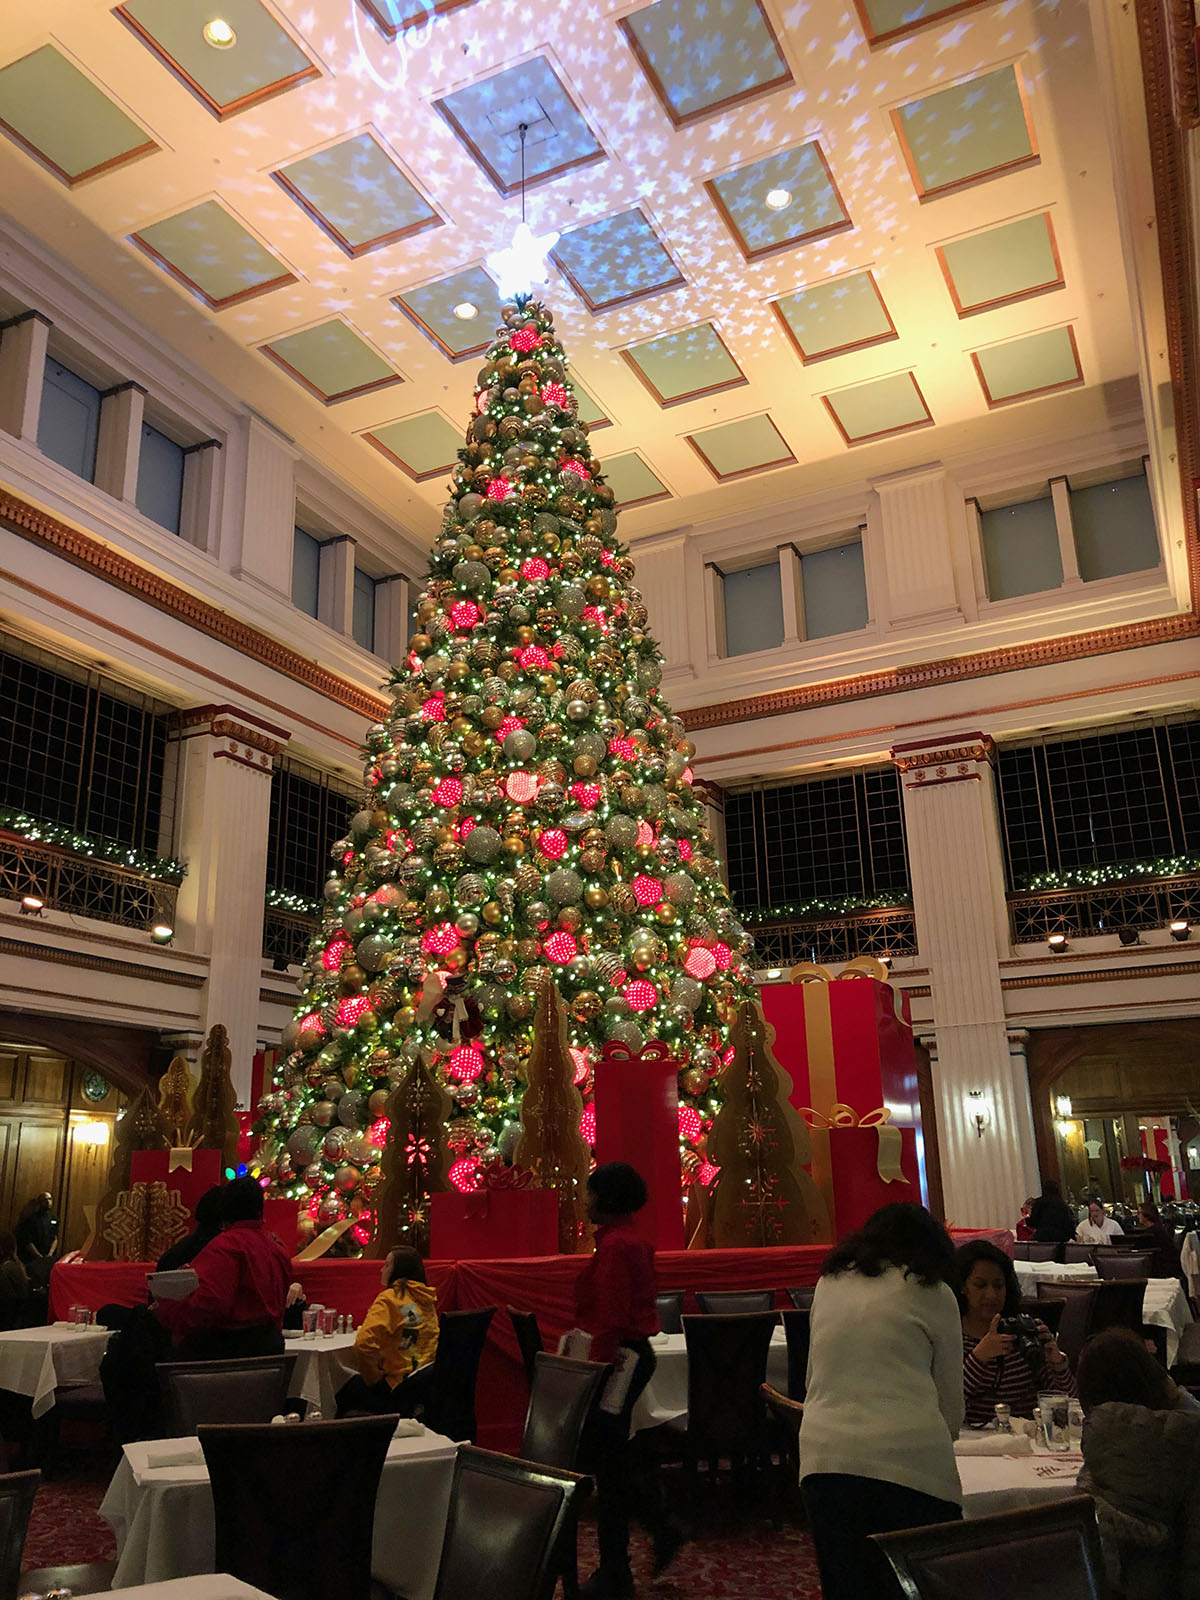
x=1003, y=1361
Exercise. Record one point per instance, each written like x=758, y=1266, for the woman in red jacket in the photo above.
x=614, y=1302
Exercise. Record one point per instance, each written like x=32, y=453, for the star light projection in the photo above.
x=529, y=810
x=522, y=267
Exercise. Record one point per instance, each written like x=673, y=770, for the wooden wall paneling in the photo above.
x=10, y=1067
x=46, y=1080
x=35, y=1152
x=85, y=1180
x=7, y=1172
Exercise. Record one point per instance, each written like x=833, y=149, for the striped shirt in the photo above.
x=1009, y=1379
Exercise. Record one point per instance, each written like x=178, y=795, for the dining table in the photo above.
x=1165, y=1304
x=36, y=1361
x=324, y=1361
x=204, y=1586
x=159, y=1506
x=665, y=1397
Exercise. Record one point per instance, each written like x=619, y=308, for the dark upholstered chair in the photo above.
x=506, y=1525
x=796, y=1332
x=17, y=1490
x=253, y=1389
x=1119, y=1305
x=1078, y=1254
x=259, y=1476
x=734, y=1302
x=802, y=1299
x=450, y=1408
x=1123, y=1263
x=1047, y=1311
x=670, y=1310
x=727, y=1367
x=559, y=1401
x=529, y=1338
x=1075, y=1318
x=1036, y=1250
x=91, y=1577
x=1046, y=1552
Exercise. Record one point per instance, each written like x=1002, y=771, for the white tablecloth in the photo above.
x=1006, y=1483
x=34, y=1361
x=1165, y=1305
x=322, y=1367
x=208, y=1586
x=162, y=1517
x=665, y=1396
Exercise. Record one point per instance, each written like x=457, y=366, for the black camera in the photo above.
x=1024, y=1330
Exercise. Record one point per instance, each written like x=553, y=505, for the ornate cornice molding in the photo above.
x=1182, y=14
x=90, y=554
x=918, y=757
x=237, y=727
x=116, y=969
x=1056, y=980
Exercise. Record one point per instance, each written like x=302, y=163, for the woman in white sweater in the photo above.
x=885, y=1396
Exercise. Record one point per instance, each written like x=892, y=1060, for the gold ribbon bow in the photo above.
x=889, y=1143
x=180, y=1155
x=656, y=1050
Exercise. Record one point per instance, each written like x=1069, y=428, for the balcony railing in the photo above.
x=286, y=935
x=85, y=886
x=891, y=931
x=1149, y=903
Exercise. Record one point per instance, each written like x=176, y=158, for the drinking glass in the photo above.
x=1052, y=1414
x=308, y=1321
x=1075, y=1425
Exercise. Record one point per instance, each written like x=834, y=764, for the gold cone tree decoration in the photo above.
x=214, y=1124
x=550, y=1145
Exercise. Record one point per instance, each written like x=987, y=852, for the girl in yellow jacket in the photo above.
x=398, y=1339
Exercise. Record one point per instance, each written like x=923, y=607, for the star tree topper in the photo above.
x=523, y=264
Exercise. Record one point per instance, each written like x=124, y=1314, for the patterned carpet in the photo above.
x=737, y=1557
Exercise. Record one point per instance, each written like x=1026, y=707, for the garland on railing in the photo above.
x=827, y=906
x=160, y=868
x=300, y=905
x=1112, y=875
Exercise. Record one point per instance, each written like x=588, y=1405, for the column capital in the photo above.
x=238, y=735
x=944, y=758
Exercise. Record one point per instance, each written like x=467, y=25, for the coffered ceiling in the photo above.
x=793, y=234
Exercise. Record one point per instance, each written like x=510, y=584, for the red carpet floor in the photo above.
x=736, y=1557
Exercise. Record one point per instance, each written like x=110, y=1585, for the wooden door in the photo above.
x=34, y=1156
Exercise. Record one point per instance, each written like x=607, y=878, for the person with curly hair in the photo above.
x=994, y=1369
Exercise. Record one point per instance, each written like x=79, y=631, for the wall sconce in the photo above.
x=979, y=1110
x=32, y=905
x=1179, y=929
x=93, y=1133
x=162, y=933
x=1129, y=936
x=1058, y=943
x=1062, y=1105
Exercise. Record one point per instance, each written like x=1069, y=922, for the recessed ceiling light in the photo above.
x=219, y=34
x=466, y=310
x=778, y=198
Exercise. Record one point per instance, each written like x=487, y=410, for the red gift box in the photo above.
x=190, y=1172
x=845, y=1041
x=493, y=1224
x=637, y=1120
x=282, y=1218
x=846, y=1165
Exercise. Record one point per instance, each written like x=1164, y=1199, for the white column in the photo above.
x=962, y=931
x=791, y=594
x=1060, y=495
x=224, y=799
x=391, y=617
x=263, y=548
x=119, y=441
x=201, y=504
x=917, y=537
x=335, y=584
x=660, y=563
x=713, y=798
x=22, y=372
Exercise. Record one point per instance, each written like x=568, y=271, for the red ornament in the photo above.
x=440, y=940
x=690, y=1125
x=533, y=658
x=434, y=709
x=498, y=488
x=379, y=1133
x=561, y=947
x=622, y=747
x=582, y=1065
x=587, y=1125
x=607, y=558
x=466, y=1063
x=555, y=394
x=522, y=787
x=641, y=995
x=526, y=339
x=465, y=614
x=645, y=833
x=481, y=401
x=647, y=891
x=724, y=955
x=466, y=825
x=586, y=795
x=507, y=726
x=331, y=960
x=448, y=792
x=463, y=1174
x=352, y=1009
x=700, y=962
x=535, y=569
x=706, y=1173
x=685, y=849
x=575, y=466
x=595, y=614
x=311, y=1023
x=553, y=843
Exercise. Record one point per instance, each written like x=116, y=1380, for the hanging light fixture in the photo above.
x=523, y=264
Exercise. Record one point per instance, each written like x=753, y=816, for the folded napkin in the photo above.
x=408, y=1428
x=993, y=1444
x=175, y=1453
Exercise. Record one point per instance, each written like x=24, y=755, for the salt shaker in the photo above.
x=1003, y=1418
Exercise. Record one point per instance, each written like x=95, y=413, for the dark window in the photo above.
x=753, y=601
x=364, y=609
x=1020, y=549
x=306, y=571
x=827, y=838
x=1100, y=799
x=309, y=810
x=69, y=420
x=80, y=751
x=160, y=479
x=1114, y=528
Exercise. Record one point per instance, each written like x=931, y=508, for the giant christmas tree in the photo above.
x=529, y=808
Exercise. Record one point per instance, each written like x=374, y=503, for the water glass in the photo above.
x=1075, y=1425
x=1052, y=1415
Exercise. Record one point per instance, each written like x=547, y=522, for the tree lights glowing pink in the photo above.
x=529, y=808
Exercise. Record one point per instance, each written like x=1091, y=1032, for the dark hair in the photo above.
x=617, y=1188
x=8, y=1245
x=242, y=1201
x=969, y=1256
x=1149, y=1209
x=1050, y=1190
x=34, y=1206
x=1115, y=1365
x=899, y=1235
x=208, y=1209
x=406, y=1263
